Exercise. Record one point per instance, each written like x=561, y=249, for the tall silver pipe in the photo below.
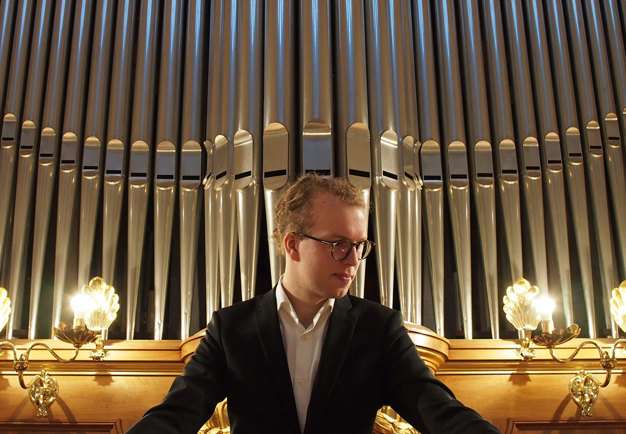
x=190, y=175
x=353, y=138
x=385, y=140
x=118, y=135
x=429, y=154
x=481, y=159
x=11, y=128
x=220, y=130
x=142, y=143
x=95, y=135
x=610, y=129
x=593, y=150
x=505, y=154
x=279, y=136
x=455, y=150
x=166, y=155
x=50, y=138
x=550, y=151
x=316, y=121
x=71, y=140
x=411, y=292
x=247, y=141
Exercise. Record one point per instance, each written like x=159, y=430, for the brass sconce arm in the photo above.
x=607, y=360
x=21, y=361
x=43, y=388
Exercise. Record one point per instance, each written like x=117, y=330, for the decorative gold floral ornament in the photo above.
x=389, y=422
x=105, y=304
x=101, y=304
x=521, y=310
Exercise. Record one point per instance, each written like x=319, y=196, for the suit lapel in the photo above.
x=340, y=329
x=268, y=328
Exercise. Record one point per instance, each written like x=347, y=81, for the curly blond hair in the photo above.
x=293, y=207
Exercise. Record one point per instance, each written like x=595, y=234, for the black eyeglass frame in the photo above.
x=367, y=246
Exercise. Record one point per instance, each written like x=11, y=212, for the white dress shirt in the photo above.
x=302, y=346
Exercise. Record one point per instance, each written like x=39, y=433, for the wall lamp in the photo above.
x=525, y=307
x=95, y=308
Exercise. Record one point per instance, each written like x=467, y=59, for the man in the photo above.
x=306, y=357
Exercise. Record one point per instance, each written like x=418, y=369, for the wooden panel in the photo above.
x=487, y=375
x=570, y=427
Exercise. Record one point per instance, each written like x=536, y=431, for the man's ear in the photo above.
x=291, y=243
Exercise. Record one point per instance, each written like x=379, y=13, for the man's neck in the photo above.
x=305, y=309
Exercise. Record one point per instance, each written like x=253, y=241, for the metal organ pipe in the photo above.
x=190, y=172
x=455, y=151
x=166, y=158
x=279, y=137
x=353, y=133
x=247, y=152
x=141, y=145
x=480, y=154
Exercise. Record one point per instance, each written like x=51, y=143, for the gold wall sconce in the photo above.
x=95, y=308
x=525, y=308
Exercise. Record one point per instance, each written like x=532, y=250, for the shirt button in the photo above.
x=300, y=381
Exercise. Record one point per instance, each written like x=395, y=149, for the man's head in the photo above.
x=311, y=216
x=293, y=210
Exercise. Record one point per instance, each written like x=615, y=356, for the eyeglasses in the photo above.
x=340, y=250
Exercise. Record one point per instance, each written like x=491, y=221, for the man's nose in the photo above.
x=352, y=258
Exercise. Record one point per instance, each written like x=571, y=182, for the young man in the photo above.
x=306, y=357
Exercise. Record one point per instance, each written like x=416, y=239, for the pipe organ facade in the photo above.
x=147, y=141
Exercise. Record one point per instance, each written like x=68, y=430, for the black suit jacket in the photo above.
x=367, y=361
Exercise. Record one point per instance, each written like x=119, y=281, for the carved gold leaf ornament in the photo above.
x=557, y=337
x=43, y=392
x=618, y=305
x=77, y=336
x=105, y=304
x=584, y=390
x=519, y=305
x=5, y=308
x=387, y=422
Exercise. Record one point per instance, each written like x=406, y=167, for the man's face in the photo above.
x=318, y=275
